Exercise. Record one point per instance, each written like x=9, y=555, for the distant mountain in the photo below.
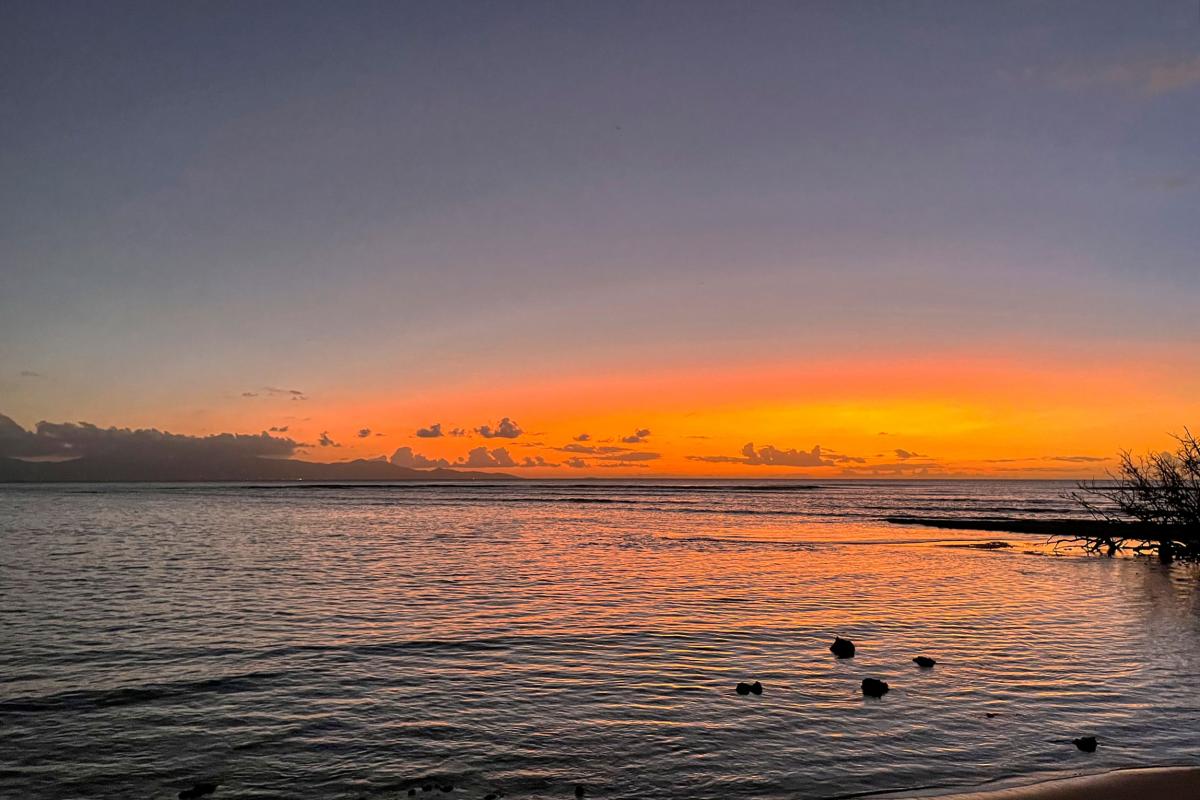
x=116, y=468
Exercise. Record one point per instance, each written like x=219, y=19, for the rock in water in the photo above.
x=1085, y=743
x=756, y=687
x=842, y=648
x=198, y=790
x=743, y=688
x=925, y=662
x=874, y=688
x=579, y=790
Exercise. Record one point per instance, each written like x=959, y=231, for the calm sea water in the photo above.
x=354, y=641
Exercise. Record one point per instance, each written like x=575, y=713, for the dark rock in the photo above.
x=411, y=792
x=1085, y=743
x=842, y=648
x=743, y=688
x=198, y=790
x=925, y=662
x=874, y=688
x=427, y=787
x=447, y=787
x=756, y=687
x=579, y=790
x=489, y=797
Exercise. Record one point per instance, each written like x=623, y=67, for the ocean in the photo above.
x=359, y=641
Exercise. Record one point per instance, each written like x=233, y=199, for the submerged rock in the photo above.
x=198, y=790
x=743, y=688
x=756, y=687
x=1085, y=743
x=842, y=648
x=874, y=688
x=925, y=662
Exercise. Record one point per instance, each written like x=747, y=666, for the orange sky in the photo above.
x=953, y=414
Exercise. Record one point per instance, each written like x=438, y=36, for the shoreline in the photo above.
x=1125, y=783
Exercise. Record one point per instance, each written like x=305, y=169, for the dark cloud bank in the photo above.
x=84, y=452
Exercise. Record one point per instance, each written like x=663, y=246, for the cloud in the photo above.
x=28, y=373
x=325, y=441
x=364, y=433
x=1147, y=76
x=591, y=450
x=432, y=432
x=83, y=439
x=583, y=437
x=459, y=432
x=275, y=391
x=507, y=429
x=895, y=469
x=279, y=429
x=903, y=454
x=576, y=463
x=482, y=457
x=630, y=457
x=405, y=457
x=842, y=458
x=536, y=461
x=1174, y=182
x=1067, y=459
x=636, y=437
x=770, y=456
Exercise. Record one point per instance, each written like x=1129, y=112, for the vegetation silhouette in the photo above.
x=1152, y=503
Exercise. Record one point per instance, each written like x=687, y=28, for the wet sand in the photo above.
x=1177, y=783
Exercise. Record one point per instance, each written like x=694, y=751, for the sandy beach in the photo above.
x=1180, y=783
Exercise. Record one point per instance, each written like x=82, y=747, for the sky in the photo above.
x=780, y=238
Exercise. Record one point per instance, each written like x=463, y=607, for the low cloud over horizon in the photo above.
x=69, y=440
x=343, y=444
x=769, y=455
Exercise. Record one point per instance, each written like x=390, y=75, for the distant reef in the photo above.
x=93, y=469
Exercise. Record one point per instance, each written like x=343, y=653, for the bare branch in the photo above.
x=1159, y=490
